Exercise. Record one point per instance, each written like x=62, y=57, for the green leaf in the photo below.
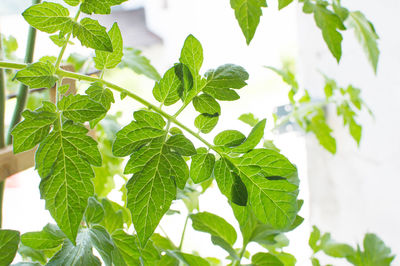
x=253, y=139
x=79, y=254
x=31, y=254
x=248, y=13
x=375, y=253
x=239, y=194
x=162, y=242
x=205, y=122
x=271, y=164
x=273, y=198
x=229, y=138
x=32, y=130
x=227, y=76
x=339, y=10
x=206, y=104
x=338, y=250
x=72, y=2
x=80, y=108
x=366, y=35
x=99, y=6
x=284, y=3
x=113, y=219
x=266, y=259
x=202, y=165
x=138, y=63
x=9, y=240
x=63, y=161
x=127, y=246
x=152, y=189
x=156, y=168
x=101, y=95
x=147, y=127
x=192, y=54
x=91, y=34
x=49, y=17
x=166, y=91
x=188, y=259
x=330, y=23
x=224, y=175
x=101, y=240
x=58, y=40
x=269, y=144
x=249, y=119
x=37, y=75
x=107, y=60
x=180, y=144
x=322, y=131
x=214, y=225
x=63, y=89
x=94, y=211
x=77, y=61
x=50, y=237
x=314, y=238
x=222, y=94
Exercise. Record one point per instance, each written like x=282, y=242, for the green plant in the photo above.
x=260, y=184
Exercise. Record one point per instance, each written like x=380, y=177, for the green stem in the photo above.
x=80, y=77
x=242, y=251
x=61, y=54
x=183, y=232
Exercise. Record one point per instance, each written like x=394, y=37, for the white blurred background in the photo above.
x=348, y=194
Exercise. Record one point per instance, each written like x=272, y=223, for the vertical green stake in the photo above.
x=20, y=105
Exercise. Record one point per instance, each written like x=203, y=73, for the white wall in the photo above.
x=356, y=191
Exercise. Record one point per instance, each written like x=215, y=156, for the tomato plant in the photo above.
x=260, y=184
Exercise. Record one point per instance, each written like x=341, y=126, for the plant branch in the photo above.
x=183, y=232
x=61, y=54
x=80, y=77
